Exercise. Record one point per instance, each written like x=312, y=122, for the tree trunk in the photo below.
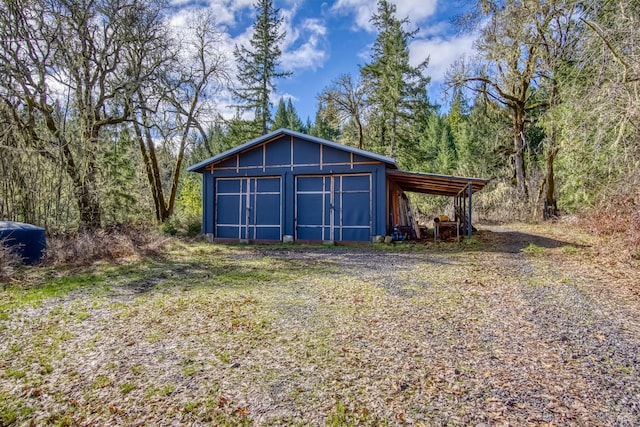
x=551, y=207
x=176, y=170
x=89, y=206
x=85, y=188
x=518, y=145
x=360, y=134
x=145, y=143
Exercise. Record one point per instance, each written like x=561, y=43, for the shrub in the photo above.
x=617, y=216
x=116, y=241
x=169, y=227
x=187, y=225
x=9, y=261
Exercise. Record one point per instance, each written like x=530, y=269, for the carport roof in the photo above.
x=428, y=183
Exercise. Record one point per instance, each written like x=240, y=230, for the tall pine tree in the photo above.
x=287, y=117
x=281, y=120
x=393, y=84
x=258, y=64
x=295, y=122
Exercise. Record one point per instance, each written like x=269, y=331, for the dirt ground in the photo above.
x=522, y=325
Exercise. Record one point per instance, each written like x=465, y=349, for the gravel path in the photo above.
x=525, y=329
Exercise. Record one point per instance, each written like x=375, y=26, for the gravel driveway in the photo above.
x=513, y=329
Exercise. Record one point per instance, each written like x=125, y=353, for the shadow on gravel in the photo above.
x=510, y=241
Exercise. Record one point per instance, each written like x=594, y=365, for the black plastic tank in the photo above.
x=26, y=240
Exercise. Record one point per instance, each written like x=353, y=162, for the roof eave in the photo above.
x=200, y=167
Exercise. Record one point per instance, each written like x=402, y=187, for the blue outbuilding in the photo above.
x=288, y=186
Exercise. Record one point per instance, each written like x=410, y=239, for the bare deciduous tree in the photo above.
x=182, y=97
x=348, y=98
x=506, y=70
x=69, y=71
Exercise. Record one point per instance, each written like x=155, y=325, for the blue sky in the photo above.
x=329, y=38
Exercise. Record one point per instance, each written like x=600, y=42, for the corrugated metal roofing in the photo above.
x=428, y=183
x=199, y=167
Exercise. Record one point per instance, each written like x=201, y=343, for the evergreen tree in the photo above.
x=457, y=113
x=118, y=178
x=287, y=117
x=391, y=81
x=308, y=127
x=258, y=65
x=446, y=153
x=281, y=120
x=294, y=121
x=327, y=124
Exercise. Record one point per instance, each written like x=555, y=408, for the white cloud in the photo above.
x=230, y=8
x=225, y=10
x=274, y=98
x=306, y=46
x=415, y=10
x=442, y=52
x=433, y=29
x=362, y=9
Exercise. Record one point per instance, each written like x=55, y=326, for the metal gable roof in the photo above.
x=440, y=185
x=199, y=167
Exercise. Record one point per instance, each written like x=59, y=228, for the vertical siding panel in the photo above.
x=379, y=206
x=291, y=160
x=208, y=200
x=288, y=202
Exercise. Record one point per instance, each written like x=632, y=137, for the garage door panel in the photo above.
x=227, y=209
x=309, y=183
x=267, y=209
x=270, y=185
x=356, y=183
x=248, y=208
x=310, y=233
x=356, y=234
x=267, y=233
x=228, y=232
x=329, y=207
x=228, y=186
x=355, y=211
x=309, y=212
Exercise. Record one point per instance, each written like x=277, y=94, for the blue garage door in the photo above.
x=333, y=207
x=248, y=208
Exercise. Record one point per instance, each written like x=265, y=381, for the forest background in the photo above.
x=103, y=106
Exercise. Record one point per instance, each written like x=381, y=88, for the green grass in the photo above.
x=168, y=389
x=127, y=387
x=534, y=250
x=14, y=297
x=570, y=250
x=12, y=409
x=102, y=381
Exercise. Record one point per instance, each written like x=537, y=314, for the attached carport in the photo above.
x=461, y=188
